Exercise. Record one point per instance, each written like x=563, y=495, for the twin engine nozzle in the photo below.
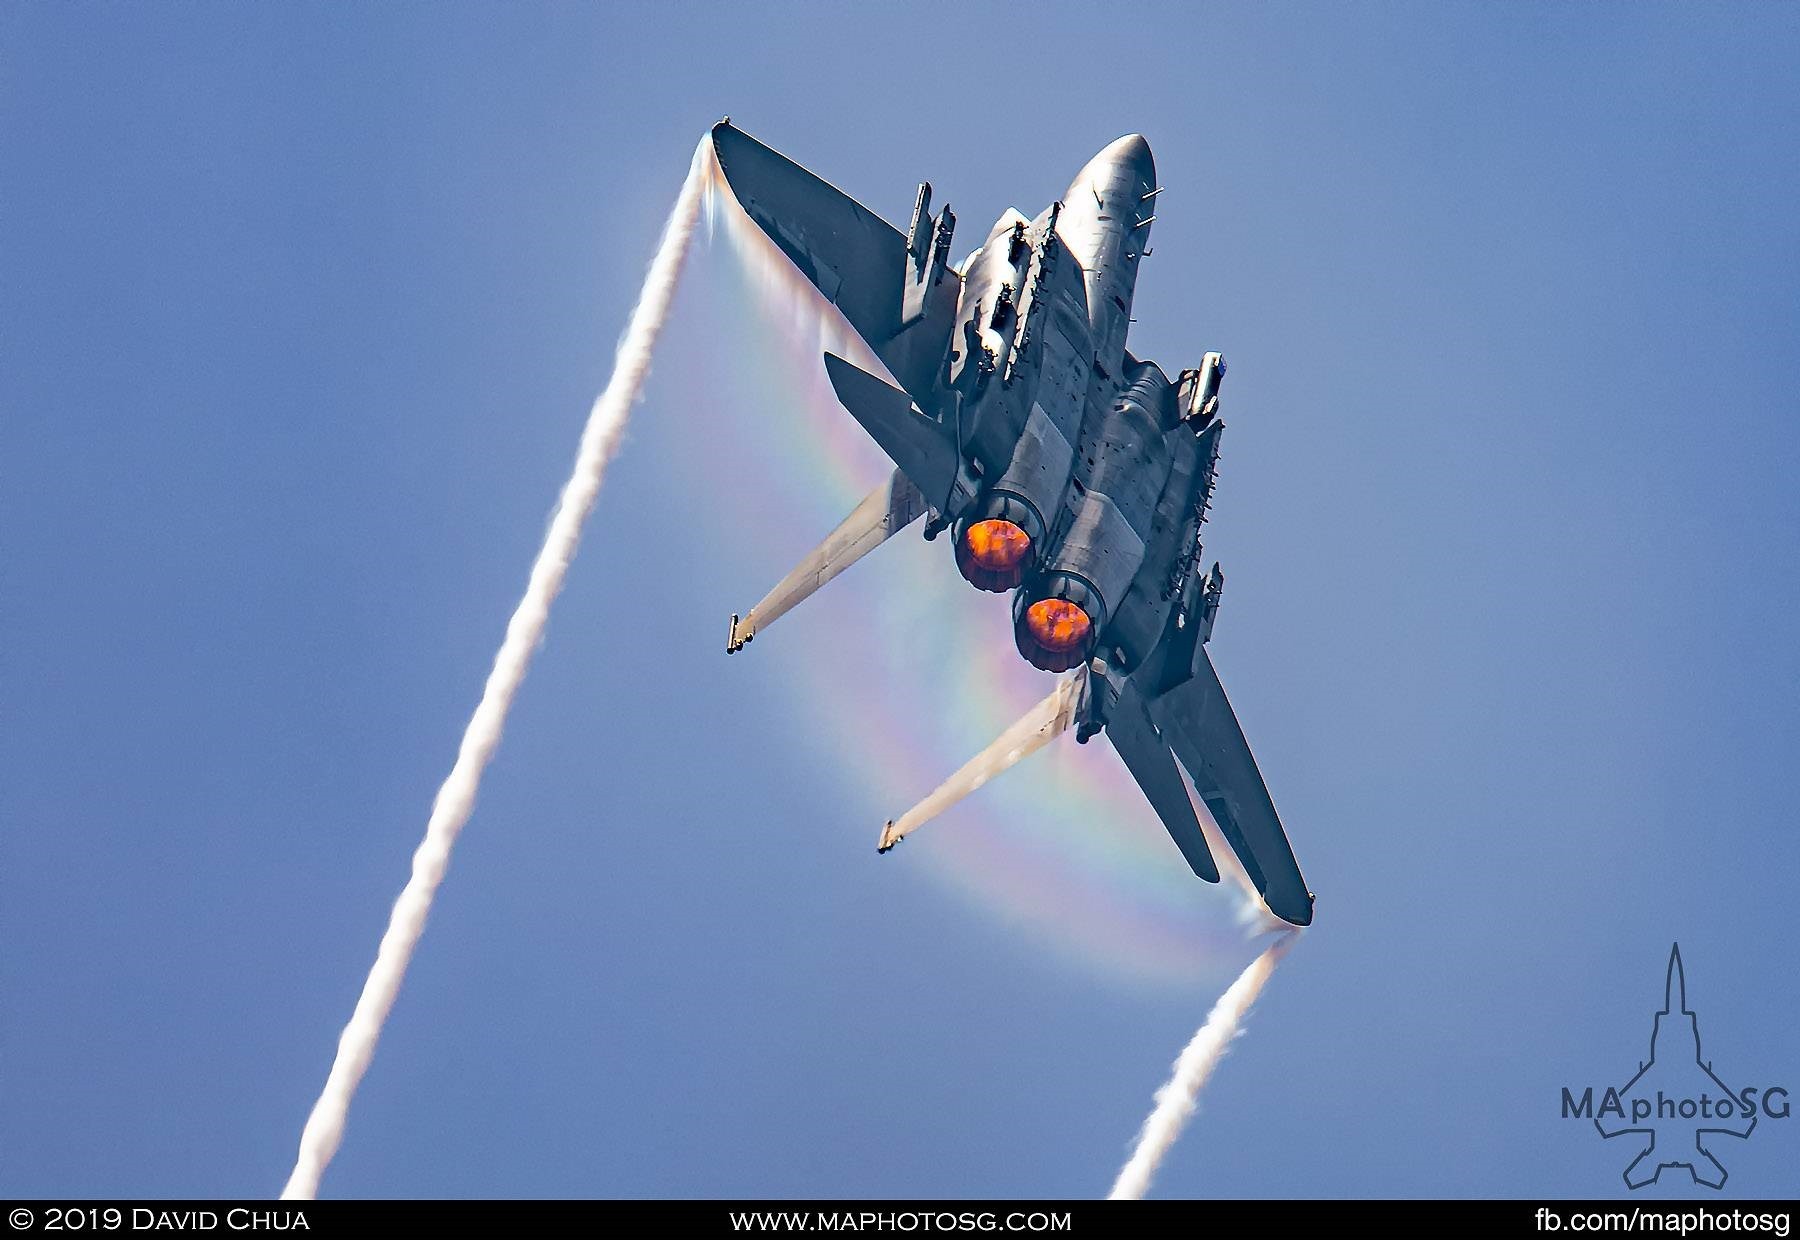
x=1056, y=616
x=1057, y=619
x=998, y=541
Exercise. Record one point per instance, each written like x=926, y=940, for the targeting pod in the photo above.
x=1198, y=391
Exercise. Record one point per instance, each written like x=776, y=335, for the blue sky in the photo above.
x=303, y=307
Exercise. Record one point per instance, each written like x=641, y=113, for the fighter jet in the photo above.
x=1066, y=470
x=1676, y=1073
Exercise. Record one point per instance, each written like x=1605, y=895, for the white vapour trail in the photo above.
x=789, y=298
x=786, y=297
x=816, y=326
x=1176, y=1100
x=456, y=799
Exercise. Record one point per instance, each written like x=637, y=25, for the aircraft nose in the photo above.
x=1126, y=159
x=1132, y=148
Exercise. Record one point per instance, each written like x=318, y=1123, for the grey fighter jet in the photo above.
x=1066, y=470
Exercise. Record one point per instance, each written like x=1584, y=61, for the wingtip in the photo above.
x=715, y=131
x=1299, y=918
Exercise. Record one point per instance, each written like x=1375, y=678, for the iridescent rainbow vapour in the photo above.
x=1065, y=847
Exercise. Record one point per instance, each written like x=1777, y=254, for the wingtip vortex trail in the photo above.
x=1177, y=1100
x=455, y=800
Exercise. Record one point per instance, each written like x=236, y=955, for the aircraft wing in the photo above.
x=857, y=260
x=1197, y=721
x=1148, y=757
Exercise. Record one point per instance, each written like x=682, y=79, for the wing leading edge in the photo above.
x=1148, y=757
x=857, y=260
x=903, y=304
x=1198, y=723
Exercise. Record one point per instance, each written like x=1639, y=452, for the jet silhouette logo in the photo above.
x=1676, y=1106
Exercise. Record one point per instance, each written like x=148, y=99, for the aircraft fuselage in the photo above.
x=1067, y=471
x=1084, y=486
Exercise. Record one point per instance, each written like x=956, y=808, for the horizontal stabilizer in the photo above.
x=1046, y=721
x=1199, y=724
x=1148, y=758
x=884, y=512
x=924, y=449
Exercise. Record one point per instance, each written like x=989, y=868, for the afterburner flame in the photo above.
x=1057, y=624
x=600, y=440
x=997, y=545
x=992, y=554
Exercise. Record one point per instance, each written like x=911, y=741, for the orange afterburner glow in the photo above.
x=1057, y=624
x=993, y=554
x=996, y=545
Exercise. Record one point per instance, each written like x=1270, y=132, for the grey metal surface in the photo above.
x=925, y=450
x=1101, y=548
x=1016, y=387
x=850, y=254
x=1040, y=464
x=894, y=504
x=1040, y=725
x=1148, y=757
x=1106, y=217
x=1203, y=730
